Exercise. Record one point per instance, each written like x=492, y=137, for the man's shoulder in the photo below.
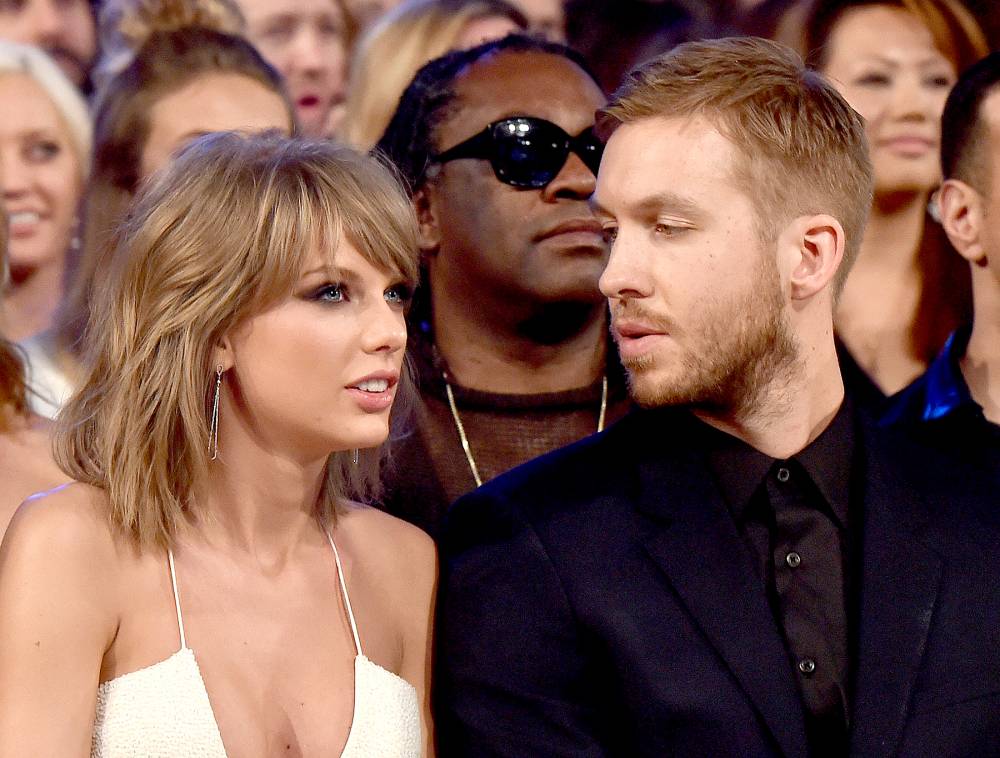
x=596, y=472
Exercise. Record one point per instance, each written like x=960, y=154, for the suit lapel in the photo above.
x=693, y=540
x=900, y=576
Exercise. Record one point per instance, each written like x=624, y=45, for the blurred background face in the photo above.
x=63, y=28
x=210, y=103
x=40, y=173
x=306, y=40
x=480, y=30
x=364, y=12
x=884, y=62
x=545, y=17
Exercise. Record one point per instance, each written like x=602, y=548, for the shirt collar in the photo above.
x=740, y=468
x=946, y=389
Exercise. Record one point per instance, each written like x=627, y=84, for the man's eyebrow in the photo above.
x=667, y=201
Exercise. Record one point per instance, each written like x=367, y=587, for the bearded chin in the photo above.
x=745, y=351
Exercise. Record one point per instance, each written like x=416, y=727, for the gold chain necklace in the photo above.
x=465, y=440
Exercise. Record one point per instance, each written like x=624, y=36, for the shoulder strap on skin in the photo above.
x=177, y=598
x=347, y=599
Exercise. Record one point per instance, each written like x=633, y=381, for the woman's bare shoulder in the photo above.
x=70, y=519
x=398, y=544
x=26, y=465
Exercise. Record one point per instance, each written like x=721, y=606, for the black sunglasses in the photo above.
x=525, y=151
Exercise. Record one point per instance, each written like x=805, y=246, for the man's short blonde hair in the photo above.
x=802, y=147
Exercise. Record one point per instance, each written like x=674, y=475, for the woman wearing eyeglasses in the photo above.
x=210, y=586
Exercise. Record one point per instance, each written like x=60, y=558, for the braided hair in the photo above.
x=408, y=141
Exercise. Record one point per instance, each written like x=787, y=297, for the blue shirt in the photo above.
x=939, y=408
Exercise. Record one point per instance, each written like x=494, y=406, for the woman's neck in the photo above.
x=31, y=301
x=894, y=231
x=256, y=500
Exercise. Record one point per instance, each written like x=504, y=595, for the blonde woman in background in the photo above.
x=45, y=140
x=895, y=61
x=211, y=586
x=401, y=42
x=184, y=80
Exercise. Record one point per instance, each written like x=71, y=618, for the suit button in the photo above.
x=784, y=475
x=807, y=666
x=793, y=559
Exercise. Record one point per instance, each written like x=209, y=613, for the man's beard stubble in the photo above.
x=745, y=352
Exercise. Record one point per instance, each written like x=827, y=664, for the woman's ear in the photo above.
x=222, y=354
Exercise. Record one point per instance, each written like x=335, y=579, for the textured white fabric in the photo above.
x=50, y=387
x=163, y=711
x=157, y=712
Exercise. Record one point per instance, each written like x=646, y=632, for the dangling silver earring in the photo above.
x=213, y=432
x=355, y=456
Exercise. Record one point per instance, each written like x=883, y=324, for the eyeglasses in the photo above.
x=527, y=152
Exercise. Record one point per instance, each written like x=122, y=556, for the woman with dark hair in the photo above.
x=182, y=81
x=895, y=62
x=211, y=583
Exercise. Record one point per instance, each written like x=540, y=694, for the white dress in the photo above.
x=163, y=711
x=49, y=385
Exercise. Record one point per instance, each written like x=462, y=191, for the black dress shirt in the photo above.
x=795, y=518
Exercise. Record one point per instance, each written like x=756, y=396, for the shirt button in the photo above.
x=807, y=666
x=784, y=475
x=793, y=559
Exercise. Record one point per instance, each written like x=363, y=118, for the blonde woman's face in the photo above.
x=40, y=174
x=210, y=103
x=884, y=62
x=306, y=40
x=318, y=372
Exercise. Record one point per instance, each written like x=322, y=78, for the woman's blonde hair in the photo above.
x=395, y=48
x=220, y=236
x=29, y=61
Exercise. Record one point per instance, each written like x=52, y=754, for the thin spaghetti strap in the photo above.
x=343, y=588
x=177, y=598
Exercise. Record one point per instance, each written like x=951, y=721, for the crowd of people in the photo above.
x=499, y=378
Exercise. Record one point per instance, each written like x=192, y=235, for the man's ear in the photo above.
x=962, y=218
x=815, y=249
x=429, y=230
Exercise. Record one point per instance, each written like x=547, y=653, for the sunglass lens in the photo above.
x=528, y=154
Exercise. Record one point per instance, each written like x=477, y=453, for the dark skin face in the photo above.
x=492, y=245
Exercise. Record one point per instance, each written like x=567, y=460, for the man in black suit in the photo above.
x=748, y=565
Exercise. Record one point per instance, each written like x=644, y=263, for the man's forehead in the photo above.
x=523, y=79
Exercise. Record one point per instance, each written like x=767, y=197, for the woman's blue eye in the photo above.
x=330, y=293
x=400, y=294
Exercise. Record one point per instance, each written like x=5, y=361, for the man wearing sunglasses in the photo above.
x=747, y=565
x=509, y=337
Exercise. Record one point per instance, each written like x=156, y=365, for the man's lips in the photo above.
x=636, y=338
x=585, y=227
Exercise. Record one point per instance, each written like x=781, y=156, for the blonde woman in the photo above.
x=45, y=141
x=185, y=79
x=394, y=49
x=211, y=586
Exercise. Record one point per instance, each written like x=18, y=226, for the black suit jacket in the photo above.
x=599, y=601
